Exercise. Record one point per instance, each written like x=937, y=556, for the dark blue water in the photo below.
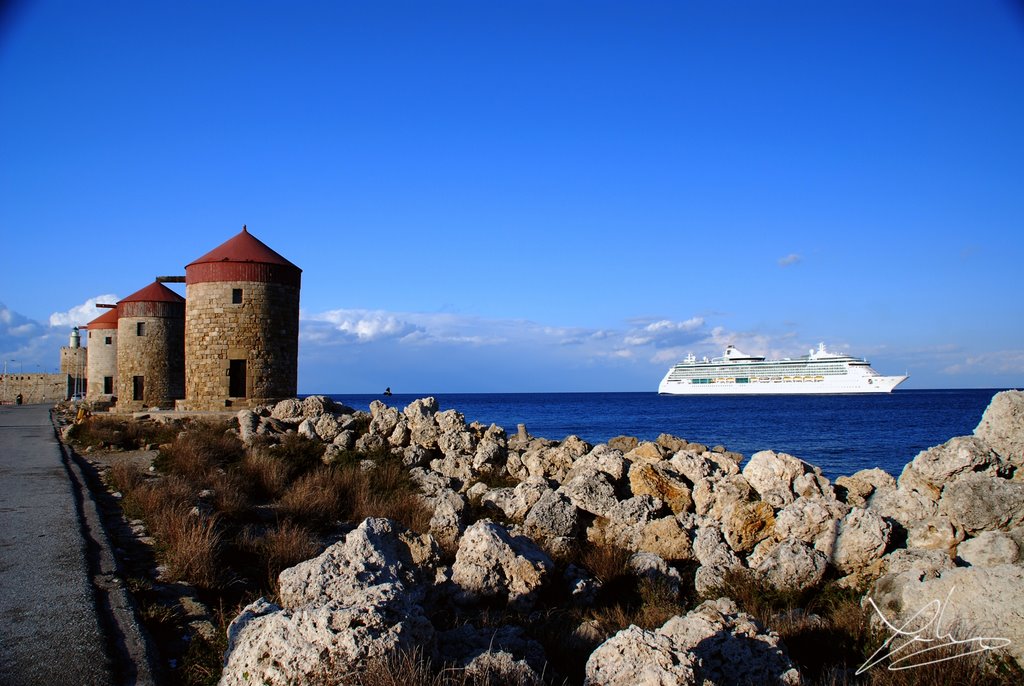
x=839, y=433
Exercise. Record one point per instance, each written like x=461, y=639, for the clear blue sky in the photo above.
x=531, y=196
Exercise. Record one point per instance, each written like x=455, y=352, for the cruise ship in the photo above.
x=736, y=373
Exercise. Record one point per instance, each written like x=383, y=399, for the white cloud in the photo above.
x=366, y=325
x=995, y=362
x=790, y=259
x=82, y=314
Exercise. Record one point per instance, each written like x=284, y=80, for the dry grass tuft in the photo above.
x=281, y=547
x=125, y=476
x=315, y=498
x=268, y=474
x=189, y=543
x=413, y=668
x=200, y=451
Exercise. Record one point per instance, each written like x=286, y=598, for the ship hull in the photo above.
x=832, y=386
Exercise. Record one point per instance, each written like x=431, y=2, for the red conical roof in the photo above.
x=155, y=292
x=244, y=247
x=107, y=320
x=243, y=258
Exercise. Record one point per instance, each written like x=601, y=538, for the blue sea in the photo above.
x=839, y=433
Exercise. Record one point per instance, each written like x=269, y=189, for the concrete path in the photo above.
x=58, y=624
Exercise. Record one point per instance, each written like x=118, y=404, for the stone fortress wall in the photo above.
x=34, y=388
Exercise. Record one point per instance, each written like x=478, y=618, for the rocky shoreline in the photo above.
x=507, y=508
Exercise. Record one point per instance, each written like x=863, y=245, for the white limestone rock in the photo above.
x=712, y=644
x=515, y=503
x=590, y=490
x=287, y=409
x=449, y=518
x=1002, y=427
x=989, y=549
x=969, y=602
x=661, y=481
x=248, y=423
x=862, y=539
x=623, y=526
x=772, y=475
x=934, y=468
x=356, y=601
x=555, y=520
x=934, y=533
x=491, y=563
x=793, y=565
x=812, y=520
x=978, y=503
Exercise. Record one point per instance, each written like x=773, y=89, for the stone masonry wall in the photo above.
x=263, y=330
x=157, y=356
x=102, y=361
x=34, y=388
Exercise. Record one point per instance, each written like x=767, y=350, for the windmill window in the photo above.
x=236, y=296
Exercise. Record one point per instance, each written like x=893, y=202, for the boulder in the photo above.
x=653, y=569
x=357, y=601
x=306, y=429
x=902, y=506
x=858, y=487
x=811, y=520
x=772, y=475
x=555, y=520
x=449, y=518
x=423, y=429
x=671, y=444
x=623, y=443
x=712, y=644
x=716, y=560
x=669, y=538
x=662, y=482
x=248, y=423
x=710, y=498
x=936, y=467
x=636, y=657
x=967, y=602
x=316, y=405
x=492, y=564
x=978, y=503
x=989, y=549
x=862, y=539
x=590, y=490
x=933, y=533
x=287, y=409
x=646, y=451
x=515, y=503
x=602, y=459
x=554, y=462
x=623, y=526
x=793, y=565
x=745, y=524
x=326, y=427
x=1002, y=427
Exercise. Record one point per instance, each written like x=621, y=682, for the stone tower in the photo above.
x=73, y=363
x=102, y=370
x=242, y=333
x=150, y=348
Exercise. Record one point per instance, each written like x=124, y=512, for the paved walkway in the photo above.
x=57, y=624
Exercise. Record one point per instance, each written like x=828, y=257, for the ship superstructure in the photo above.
x=736, y=373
